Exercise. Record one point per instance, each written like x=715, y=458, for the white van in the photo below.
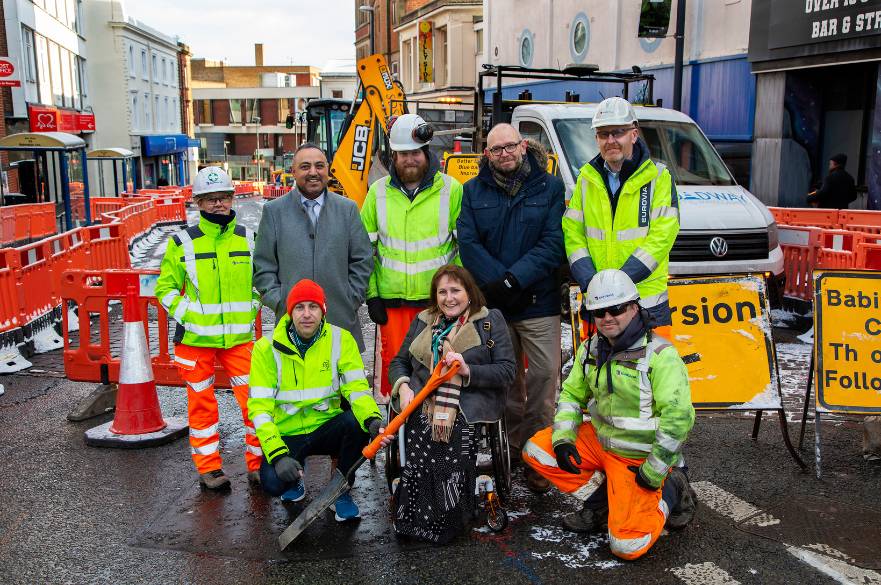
x=723, y=227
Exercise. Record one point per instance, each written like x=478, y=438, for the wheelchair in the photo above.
x=492, y=490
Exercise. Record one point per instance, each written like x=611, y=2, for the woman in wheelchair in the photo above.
x=436, y=488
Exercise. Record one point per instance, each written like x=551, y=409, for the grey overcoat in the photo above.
x=337, y=255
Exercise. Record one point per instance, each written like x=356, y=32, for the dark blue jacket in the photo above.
x=523, y=235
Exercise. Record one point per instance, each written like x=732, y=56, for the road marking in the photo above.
x=837, y=569
x=702, y=573
x=730, y=506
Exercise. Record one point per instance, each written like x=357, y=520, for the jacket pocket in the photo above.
x=533, y=209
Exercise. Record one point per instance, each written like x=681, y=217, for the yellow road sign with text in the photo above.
x=722, y=330
x=463, y=167
x=847, y=340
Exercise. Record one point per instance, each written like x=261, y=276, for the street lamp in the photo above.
x=371, y=10
x=257, y=148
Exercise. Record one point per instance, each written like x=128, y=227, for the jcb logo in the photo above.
x=359, y=148
x=386, y=78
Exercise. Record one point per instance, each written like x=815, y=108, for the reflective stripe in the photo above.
x=277, y=357
x=381, y=211
x=225, y=329
x=665, y=211
x=594, y=233
x=202, y=385
x=569, y=407
x=185, y=362
x=628, y=546
x=539, y=454
x=218, y=309
x=335, y=359
x=205, y=449
x=168, y=299
x=417, y=267
x=646, y=259
x=578, y=255
x=383, y=235
x=649, y=302
x=305, y=394
x=596, y=480
x=254, y=450
x=444, y=205
x=186, y=242
x=632, y=234
x=373, y=237
x=417, y=246
x=181, y=310
x=625, y=423
x=204, y=433
x=239, y=380
x=657, y=465
x=566, y=425
x=261, y=392
x=249, y=430
x=665, y=510
x=574, y=214
x=289, y=408
x=629, y=446
x=360, y=394
x=261, y=419
x=646, y=399
x=667, y=442
x=353, y=376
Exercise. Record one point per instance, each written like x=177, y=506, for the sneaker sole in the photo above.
x=300, y=499
x=339, y=518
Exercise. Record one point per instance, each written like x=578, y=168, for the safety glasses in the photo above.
x=614, y=310
x=616, y=134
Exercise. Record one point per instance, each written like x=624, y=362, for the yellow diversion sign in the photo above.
x=463, y=167
x=847, y=340
x=722, y=330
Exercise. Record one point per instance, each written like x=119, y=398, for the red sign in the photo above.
x=7, y=73
x=67, y=121
x=85, y=122
x=48, y=119
x=43, y=119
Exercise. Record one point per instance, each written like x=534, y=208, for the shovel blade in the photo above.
x=333, y=490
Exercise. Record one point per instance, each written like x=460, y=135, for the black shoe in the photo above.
x=214, y=480
x=587, y=520
x=683, y=512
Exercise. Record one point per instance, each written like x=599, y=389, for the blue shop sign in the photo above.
x=160, y=144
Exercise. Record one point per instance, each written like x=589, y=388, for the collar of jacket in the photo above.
x=213, y=230
x=465, y=340
x=632, y=167
x=431, y=175
x=282, y=342
x=538, y=160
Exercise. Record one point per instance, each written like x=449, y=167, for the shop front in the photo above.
x=164, y=160
x=817, y=66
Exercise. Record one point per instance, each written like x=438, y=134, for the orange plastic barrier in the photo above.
x=855, y=217
x=868, y=257
x=800, y=247
x=812, y=217
x=26, y=222
x=92, y=291
x=274, y=191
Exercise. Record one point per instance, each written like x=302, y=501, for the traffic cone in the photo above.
x=138, y=421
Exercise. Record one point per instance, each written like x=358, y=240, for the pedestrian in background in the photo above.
x=837, y=191
x=511, y=240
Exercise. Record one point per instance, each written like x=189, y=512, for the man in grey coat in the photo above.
x=316, y=234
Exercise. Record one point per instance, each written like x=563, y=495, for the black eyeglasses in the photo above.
x=509, y=148
x=614, y=310
x=616, y=134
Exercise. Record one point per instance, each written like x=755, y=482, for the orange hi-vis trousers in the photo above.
x=196, y=367
x=392, y=335
x=636, y=515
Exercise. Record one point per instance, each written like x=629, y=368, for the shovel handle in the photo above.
x=437, y=378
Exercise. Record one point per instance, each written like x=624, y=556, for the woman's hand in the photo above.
x=387, y=439
x=405, y=395
x=451, y=357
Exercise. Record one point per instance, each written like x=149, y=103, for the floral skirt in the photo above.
x=436, y=491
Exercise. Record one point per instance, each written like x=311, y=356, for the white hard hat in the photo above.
x=409, y=132
x=613, y=111
x=212, y=180
x=608, y=288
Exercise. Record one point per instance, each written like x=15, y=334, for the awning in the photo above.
x=159, y=144
x=109, y=153
x=42, y=141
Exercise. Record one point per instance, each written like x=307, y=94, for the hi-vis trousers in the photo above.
x=392, y=335
x=636, y=515
x=196, y=367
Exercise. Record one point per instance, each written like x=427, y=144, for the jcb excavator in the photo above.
x=350, y=133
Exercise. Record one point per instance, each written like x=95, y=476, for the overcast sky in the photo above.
x=302, y=32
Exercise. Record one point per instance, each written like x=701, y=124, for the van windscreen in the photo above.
x=696, y=161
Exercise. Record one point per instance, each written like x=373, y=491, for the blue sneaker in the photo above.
x=295, y=494
x=345, y=508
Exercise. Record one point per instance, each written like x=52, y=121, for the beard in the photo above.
x=411, y=174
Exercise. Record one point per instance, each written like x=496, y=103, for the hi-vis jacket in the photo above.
x=636, y=239
x=412, y=238
x=292, y=394
x=205, y=284
x=646, y=415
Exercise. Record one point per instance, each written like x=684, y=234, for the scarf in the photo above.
x=218, y=218
x=511, y=182
x=637, y=327
x=303, y=344
x=442, y=407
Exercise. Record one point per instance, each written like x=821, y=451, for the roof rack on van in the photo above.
x=501, y=109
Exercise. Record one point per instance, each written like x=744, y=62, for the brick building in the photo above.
x=241, y=110
x=386, y=16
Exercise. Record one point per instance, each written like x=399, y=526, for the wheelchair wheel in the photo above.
x=501, y=458
x=496, y=516
x=392, y=461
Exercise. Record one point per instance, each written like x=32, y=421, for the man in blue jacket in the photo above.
x=511, y=239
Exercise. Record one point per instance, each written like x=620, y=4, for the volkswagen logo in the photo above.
x=719, y=247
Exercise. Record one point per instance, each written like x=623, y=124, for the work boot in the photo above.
x=536, y=482
x=683, y=512
x=214, y=480
x=254, y=477
x=587, y=519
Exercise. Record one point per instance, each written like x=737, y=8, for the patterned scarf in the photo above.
x=511, y=182
x=442, y=406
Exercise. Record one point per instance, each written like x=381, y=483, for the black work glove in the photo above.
x=376, y=311
x=288, y=469
x=373, y=426
x=504, y=293
x=641, y=480
x=564, y=452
